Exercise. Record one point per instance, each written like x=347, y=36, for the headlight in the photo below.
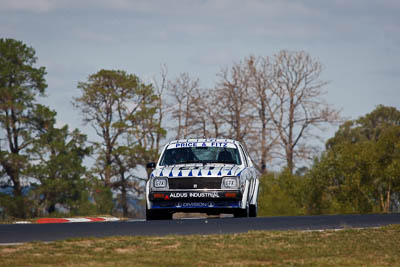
x=160, y=183
x=230, y=182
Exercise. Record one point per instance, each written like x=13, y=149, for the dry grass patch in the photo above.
x=366, y=247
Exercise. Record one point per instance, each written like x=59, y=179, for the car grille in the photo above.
x=195, y=183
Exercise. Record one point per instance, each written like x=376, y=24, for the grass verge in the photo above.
x=351, y=247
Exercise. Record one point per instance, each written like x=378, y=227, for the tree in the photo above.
x=59, y=169
x=369, y=151
x=281, y=194
x=340, y=181
x=150, y=132
x=232, y=92
x=119, y=107
x=207, y=121
x=260, y=92
x=273, y=105
x=182, y=91
x=20, y=84
x=369, y=127
x=386, y=168
x=244, y=92
x=161, y=108
x=295, y=105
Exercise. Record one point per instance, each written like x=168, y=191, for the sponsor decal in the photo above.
x=194, y=195
x=178, y=195
x=219, y=144
x=195, y=204
x=203, y=195
x=190, y=144
x=201, y=144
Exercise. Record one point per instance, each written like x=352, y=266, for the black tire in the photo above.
x=157, y=215
x=242, y=213
x=166, y=216
x=150, y=215
x=253, y=209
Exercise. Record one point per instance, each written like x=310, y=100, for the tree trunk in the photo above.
x=388, y=194
x=18, y=196
x=382, y=202
x=124, y=201
x=289, y=160
x=263, y=149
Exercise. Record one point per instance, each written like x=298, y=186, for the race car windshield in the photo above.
x=202, y=155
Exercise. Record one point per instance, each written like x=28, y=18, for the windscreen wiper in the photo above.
x=220, y=161
x=189, y=161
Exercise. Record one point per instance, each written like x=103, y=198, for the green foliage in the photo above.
x=19, y=79
x=102, y=197
x=59, y=170
x=95, y=199
x=121, y=109
x=281, y=194
x=337, y=183
x=33, y=149
x=360, y=171
x=9, y=207
x=20, y=83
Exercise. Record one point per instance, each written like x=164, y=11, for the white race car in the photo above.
x=210, y=176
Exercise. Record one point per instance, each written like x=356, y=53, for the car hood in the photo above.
x=196, y=171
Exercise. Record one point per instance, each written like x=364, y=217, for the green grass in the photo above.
x=365, y=247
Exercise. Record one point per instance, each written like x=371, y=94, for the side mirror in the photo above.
x=151, y=165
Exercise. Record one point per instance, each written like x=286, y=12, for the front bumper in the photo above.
x=195, y=200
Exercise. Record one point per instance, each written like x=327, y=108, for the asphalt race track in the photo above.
x=17, y=233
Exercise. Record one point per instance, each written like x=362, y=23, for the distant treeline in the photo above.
x=272, y=104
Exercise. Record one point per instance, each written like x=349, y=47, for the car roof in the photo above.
x=205, y=140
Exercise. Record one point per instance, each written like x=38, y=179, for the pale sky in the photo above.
x=357, y=41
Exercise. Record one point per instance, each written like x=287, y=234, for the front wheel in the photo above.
x=242, y=213
x=157, y=215
x=253, y=210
